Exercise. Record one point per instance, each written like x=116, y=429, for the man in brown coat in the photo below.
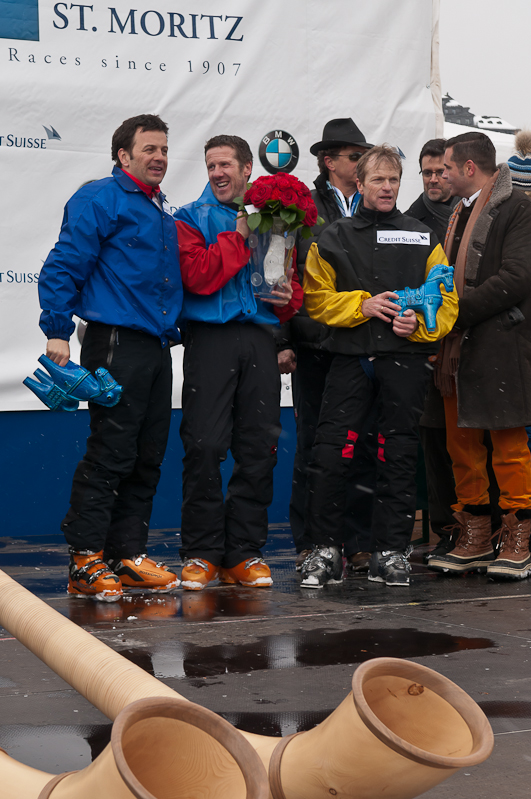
x=485, y=362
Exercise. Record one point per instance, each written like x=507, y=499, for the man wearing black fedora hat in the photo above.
x=341, y=147
x=336, y=196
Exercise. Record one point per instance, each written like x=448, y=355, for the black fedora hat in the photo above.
x=340, y=133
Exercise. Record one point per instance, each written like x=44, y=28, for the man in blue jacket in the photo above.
x=116, y=265
x=231, y=381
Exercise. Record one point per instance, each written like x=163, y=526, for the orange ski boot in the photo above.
x=142, y=572
x=90, y=576
x=197, y=573
x=253, y=572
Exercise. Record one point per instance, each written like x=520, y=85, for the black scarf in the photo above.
x=441, y=211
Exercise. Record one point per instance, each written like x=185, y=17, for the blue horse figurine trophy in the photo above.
x=427, y=298
x=71, y=384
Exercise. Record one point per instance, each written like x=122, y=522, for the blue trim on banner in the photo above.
x=41, y=449
x=19, y=19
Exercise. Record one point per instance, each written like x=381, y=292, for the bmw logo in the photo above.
x=278, y=152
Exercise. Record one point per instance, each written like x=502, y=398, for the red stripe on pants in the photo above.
x=348, y=449
x=381, y=444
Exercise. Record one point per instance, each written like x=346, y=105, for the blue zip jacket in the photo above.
x=235, y=302
x=116, y=261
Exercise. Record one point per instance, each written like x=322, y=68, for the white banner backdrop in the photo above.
x=213, y=66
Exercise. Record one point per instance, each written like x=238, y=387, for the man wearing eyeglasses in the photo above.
x=435, y=205
x=336, y=196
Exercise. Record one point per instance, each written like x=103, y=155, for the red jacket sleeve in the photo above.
x=284, y=314
x=205, y=270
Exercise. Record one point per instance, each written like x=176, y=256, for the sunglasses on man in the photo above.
x=350, y=156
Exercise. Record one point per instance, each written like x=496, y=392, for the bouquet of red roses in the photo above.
x=281, y=196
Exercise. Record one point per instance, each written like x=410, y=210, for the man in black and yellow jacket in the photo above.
x=379, y=358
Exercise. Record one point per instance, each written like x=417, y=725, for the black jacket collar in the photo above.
x=366, y=216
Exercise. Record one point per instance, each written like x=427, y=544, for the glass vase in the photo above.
x=270, y=257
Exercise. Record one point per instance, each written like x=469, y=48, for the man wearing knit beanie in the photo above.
x=520, y=168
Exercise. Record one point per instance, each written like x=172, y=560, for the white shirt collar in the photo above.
x=467, y=201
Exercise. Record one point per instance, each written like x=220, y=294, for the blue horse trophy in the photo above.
x=427, y=298
x=71, y=384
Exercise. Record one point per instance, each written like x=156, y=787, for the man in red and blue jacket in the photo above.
x=231, y=380
x=116, y=265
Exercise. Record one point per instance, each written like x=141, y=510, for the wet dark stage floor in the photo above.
x=278, y=660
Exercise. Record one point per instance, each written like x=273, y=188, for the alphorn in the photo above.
x=143, y=760
x=402, y=730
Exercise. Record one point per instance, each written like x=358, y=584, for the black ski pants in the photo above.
x=231, y=401
x=308, y=381
x=114, y=484
x=397, y=390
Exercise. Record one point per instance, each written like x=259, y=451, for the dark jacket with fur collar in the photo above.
x=494, y=375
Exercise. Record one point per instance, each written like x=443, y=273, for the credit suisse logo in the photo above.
x=33, y=141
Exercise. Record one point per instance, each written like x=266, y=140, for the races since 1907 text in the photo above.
x=19, y=55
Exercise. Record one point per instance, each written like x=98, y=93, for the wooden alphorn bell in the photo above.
x=160, y=748
x=402, y=730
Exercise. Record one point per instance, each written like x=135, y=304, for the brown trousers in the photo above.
x=511, y=462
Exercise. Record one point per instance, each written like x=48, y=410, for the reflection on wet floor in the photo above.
x=190, y=606
x=86, y=612
x=271, y=723
x=318, y=647
x=230, y=602
x=55, y=748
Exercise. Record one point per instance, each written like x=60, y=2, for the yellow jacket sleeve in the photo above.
x=447, y=313
x=322, y=299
